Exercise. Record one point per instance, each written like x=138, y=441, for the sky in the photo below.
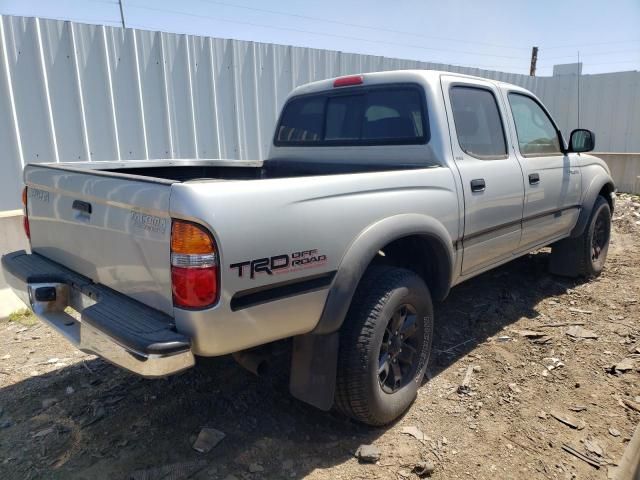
x=490, y=34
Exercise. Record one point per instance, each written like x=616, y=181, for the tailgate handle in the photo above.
x=81, y=206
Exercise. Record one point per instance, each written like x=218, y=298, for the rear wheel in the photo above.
x=585, y=256
x=385, y=344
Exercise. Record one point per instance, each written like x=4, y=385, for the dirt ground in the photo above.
x=533, y=389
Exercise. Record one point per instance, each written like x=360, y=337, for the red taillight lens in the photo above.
x=25, y=219
x=347, y=81
x=25, y=224
x=194, y=287
x=194, y=266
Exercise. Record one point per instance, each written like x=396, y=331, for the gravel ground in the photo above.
x=551, y=365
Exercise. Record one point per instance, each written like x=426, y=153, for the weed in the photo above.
x=24, y=317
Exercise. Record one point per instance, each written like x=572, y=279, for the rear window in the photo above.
x=359, y=116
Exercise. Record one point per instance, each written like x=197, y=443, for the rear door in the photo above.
x=113, y=228
x=552, y=178
x=491, y=175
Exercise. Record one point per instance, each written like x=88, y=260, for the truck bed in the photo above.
x=189, y=170
x=111, y=221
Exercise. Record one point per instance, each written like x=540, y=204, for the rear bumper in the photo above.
x=99, y=321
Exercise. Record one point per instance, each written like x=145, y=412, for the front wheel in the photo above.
x=385, y=344
x=584, y=256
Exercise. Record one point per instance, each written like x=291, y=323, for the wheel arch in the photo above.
x=601, y=185
x=315, y=354
x=413, y=241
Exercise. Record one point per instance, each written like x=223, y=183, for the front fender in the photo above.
x=591, y=192
x=365, y=247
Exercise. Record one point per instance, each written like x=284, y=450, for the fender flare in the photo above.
x=315, y=354
x=366, y=246
x=589, y=200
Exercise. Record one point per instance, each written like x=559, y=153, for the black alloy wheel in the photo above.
x=398, y=359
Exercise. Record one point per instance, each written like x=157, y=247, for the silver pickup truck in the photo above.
x=381, y=192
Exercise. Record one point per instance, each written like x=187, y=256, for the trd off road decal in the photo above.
x=279, y=264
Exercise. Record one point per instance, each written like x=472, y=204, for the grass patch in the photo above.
x=24, y=317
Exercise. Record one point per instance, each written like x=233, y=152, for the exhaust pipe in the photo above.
x=254, y=362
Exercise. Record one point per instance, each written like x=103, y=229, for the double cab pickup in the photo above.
x=381, y=192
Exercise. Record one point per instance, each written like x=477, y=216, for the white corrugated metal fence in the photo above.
x=73, y=92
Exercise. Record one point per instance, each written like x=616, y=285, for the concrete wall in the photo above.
x=71, y=91
x=625, y=170
x=12, y=238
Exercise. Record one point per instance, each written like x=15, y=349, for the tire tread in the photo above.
x=571, y=257
x=356, y=336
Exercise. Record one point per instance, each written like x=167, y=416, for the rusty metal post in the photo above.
x=534, y=60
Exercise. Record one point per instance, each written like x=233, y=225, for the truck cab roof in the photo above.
x=391, y=76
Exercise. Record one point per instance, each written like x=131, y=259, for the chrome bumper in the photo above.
x=61, y=305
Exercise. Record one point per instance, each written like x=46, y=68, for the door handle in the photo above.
x=534, y=179
x=477, y=185
x=84, y=207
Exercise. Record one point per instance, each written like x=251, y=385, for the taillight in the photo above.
x=347, y=81
x=194, y=266
x=25, y=218
x=25, y=224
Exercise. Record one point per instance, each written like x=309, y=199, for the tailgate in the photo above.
x=113, y=228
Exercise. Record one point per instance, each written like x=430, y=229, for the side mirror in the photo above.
x=582, y=140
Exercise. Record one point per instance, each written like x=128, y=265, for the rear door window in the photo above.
x=373, y=116
x=478, y=123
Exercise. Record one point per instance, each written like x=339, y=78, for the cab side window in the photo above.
x=536, y=133
x=478, y=123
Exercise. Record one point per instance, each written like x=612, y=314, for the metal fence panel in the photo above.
x=155, y=112
x=30, y=94
x=71, y=91
x=10, y=153
x=179, y=96
x=121, y=55
x=225, y=75
x=246, y=98
x=267, y=100
x=203, y=94
x=96, y=91
x=61, y=79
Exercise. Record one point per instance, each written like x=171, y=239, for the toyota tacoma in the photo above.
x=381, y=192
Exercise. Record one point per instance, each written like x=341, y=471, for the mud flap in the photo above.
x=314, y=363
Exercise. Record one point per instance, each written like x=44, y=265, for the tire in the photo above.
x=367, y=339
x=585, y=256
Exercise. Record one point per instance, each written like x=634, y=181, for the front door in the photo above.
x=491, y=176
x=552, y=178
